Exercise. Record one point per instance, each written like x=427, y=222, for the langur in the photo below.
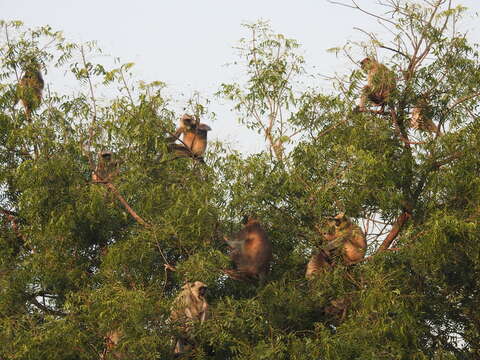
x=381, y=84
x=106, y=169
x=422, y=115
x=251, y=252
x=194, y=139
x=344, y=239
x=318, y=262
x=30, y=88
x=189, y=306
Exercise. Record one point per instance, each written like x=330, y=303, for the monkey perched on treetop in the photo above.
x=345, y=239
x=194, y=139
x=380, y=84
x=189, y=306
x=251, y=252
x=30, y=88
x=106, y=168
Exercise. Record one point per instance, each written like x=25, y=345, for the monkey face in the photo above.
x=202, y=291
x=333, y=224
x=342, y=222
x=329, y=229
x=188, y=121
x=106, y=155
x=365, y=63
x=198, y=288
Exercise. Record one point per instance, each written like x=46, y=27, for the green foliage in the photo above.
x=80, y=259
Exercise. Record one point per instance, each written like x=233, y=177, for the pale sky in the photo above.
x=186, y=43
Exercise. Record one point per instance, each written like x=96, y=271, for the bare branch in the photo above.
x=396, y=228
x=356, y=7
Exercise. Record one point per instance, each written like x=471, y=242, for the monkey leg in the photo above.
x=179, y=150
x=338, y=308
x=319, y=262
x=364, y=98
x=181, y=346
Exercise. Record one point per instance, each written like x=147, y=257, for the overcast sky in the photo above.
x=186, y=43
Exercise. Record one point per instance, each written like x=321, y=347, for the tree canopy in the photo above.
x=81, y=258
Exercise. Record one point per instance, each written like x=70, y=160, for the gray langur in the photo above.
x=189, y=306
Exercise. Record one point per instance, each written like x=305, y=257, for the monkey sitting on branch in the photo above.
x=345, y=240
x=106, y=168
x=422, y=115
x=251, y=252
x=194, y=139
x=381, y=84
x=189, y=306
x=30, y=88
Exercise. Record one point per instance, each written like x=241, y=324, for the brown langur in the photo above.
x=106, y=169
x=251, y=252
x=30, y=88
x=194, y=138
x=422, y=115
x=344, y=239
x=188, y=307
x=381, y=84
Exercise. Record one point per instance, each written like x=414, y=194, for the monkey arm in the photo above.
x=204, y=315
x=188, y=313
x=175, y=136
x=336, y=243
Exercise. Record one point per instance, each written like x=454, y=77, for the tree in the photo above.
x=80, y=259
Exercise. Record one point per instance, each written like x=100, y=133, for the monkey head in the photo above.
x=245, y=219
x=31, y=66
x=189, y=122
x=249, y=219
x=334, y=224
x=365, y=63
x=198, y=289
x=106, y=155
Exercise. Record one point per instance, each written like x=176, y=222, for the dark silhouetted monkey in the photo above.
x=107, y=168
x=30, y=88
x=251, y=251
x=380, y=84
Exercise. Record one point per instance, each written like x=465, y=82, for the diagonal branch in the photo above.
x=132, y=212
x=396, y=228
